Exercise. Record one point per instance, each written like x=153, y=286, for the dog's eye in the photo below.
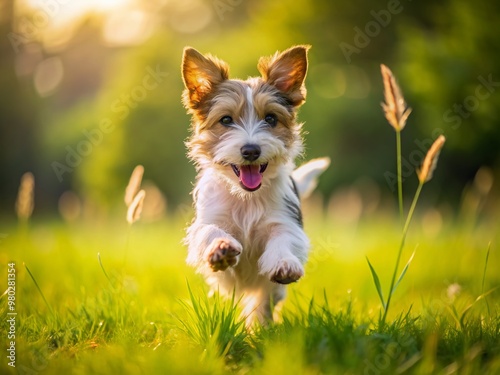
x=271, y=120
x=226, y=120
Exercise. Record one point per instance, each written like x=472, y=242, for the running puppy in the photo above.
x=247, y=235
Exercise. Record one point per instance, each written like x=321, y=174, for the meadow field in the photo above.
x=92, y=89
x=107, y=297
x=96, y=291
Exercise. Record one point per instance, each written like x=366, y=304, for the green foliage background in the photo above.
x=436, y=50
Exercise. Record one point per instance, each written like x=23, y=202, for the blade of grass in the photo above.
x=404, y=271
x=104, y=270
x=467, y=309
x=214, y=324
x=38, y=288
x=454, y=313
x=485, y=266
x=376, y=280
x=193, y=300
x=484, y=275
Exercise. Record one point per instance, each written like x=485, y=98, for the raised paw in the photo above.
x=288, y=271
x=223, y=253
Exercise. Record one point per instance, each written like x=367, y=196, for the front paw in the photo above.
x=223, y=253
x=288, y=271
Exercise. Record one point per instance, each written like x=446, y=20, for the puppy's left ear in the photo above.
x=287, y=71
x=201, y=75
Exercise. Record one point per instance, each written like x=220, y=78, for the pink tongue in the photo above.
x=250, y=176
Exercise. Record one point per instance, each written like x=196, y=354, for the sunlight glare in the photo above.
x=127, y=27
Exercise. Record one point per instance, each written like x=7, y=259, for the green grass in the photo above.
x=138, y=309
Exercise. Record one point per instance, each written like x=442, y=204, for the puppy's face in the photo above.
x=245, y=129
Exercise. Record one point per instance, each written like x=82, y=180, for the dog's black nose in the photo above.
x=250, y=152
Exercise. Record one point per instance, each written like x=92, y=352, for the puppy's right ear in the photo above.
x=200, y=74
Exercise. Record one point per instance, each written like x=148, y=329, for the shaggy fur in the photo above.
x=247, y=235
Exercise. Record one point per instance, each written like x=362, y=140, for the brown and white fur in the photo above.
x=247, y=234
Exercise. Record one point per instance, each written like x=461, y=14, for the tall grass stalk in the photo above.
x=400, y=175
x=400, y=251
x=396, y=113
x=424, y=175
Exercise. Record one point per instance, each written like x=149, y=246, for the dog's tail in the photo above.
x=306, y=176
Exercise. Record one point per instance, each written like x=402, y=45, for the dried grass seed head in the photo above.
x=134, y=184
x=135, y=208
x=395, y=108
x=430, y=161
x=25, y=202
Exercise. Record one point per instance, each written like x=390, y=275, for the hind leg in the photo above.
x=259, y=307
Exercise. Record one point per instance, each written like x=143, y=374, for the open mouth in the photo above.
x=250, y=175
